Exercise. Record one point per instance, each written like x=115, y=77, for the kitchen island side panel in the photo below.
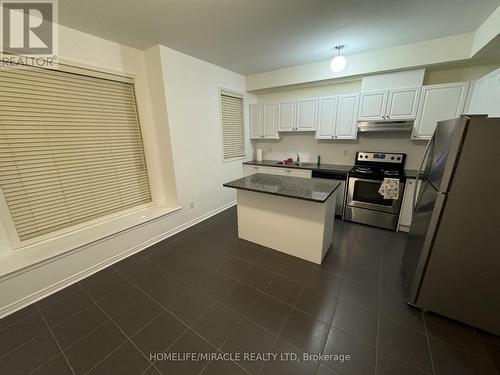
x=300, y=228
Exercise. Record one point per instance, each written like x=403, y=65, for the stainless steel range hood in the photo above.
x=385, y=126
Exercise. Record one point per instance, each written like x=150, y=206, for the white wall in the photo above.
x=182, y=144
x=338, y=151
x=408, y=56
x=341, y=152
x=192, y=97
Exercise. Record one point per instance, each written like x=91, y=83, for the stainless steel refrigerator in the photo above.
x=451, y=264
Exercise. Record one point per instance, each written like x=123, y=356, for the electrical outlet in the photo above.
x=270, y=149
x=346, y=152
x=191, y=204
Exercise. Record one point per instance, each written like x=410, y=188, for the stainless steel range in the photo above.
x=364, y=203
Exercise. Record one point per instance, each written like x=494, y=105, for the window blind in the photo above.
x=233, y=132
x=70, y=149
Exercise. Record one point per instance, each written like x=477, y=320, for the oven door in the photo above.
x=363, y=193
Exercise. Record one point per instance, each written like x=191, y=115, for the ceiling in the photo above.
x=250, y=36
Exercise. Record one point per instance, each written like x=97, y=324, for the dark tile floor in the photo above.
x=204, y=290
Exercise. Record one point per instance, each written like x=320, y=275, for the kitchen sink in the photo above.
x=296, y=164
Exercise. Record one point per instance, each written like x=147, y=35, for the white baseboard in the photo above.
x=55, y=287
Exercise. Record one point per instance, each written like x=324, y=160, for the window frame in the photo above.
x=221, y=90
x=5, y=216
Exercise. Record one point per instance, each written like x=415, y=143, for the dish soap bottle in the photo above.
x=319, y=160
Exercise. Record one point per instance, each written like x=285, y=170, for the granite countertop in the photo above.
x=310, y=189
x=310, y=166
x=410, y=173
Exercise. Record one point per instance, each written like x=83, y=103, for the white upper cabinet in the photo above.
x=437, y=103
x=263, y=121
x=395, y=104
x=346, y=126
x=270, y=121
x=256, y=121
x=485, y=97
x=287, y=112
x=337, y=117
x=373, y=105
x=402, y=104
x=327, y=113
x=306, y=114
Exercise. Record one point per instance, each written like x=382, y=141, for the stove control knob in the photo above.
x=399, y=158
x=392, y=157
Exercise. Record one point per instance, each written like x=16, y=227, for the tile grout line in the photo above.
x=107, y=356
x=23, y=344
x=277, y=337
x=428, y=343
x=238, y=279
x=123, y=333
x=56, y=341
x=377, y=342
x=338, y=300
x=19, y=320
x=60, y=299
x=242, y=317
x=275, y=299
x=44, y=363
x=409, y=364
x=250, y=286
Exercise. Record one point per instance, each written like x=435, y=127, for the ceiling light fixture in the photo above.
x=338, y=62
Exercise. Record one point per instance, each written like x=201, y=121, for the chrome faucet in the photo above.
x=298, y=158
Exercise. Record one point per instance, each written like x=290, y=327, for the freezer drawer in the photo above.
x=371, y=217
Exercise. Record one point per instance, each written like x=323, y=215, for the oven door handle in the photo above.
x=395, y=207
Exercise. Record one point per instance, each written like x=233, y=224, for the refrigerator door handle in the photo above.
x=414, y=200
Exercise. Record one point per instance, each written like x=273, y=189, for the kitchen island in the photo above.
x=290, y=214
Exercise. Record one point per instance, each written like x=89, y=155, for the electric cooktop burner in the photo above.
x=363, y=169
x=391, y=172
x=379, y=165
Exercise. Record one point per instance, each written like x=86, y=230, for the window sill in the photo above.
x=28, y=256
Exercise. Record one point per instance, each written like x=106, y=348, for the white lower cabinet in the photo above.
x=278, y=171
x=293, y=172
x=282, y=171
x=252, y=169
x=438, y=103
x=406, y=213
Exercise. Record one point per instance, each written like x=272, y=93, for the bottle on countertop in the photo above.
x=319, y=159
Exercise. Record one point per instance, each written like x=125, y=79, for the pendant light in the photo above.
x=338, y=62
